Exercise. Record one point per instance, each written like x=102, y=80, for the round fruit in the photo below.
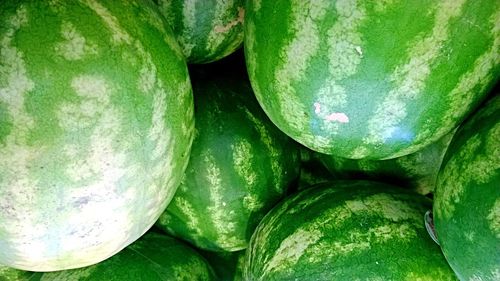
x=207, y=30
x=371, y=79
x=240, y=166
x=96, y=124
x=346, y=230
x=467, y=199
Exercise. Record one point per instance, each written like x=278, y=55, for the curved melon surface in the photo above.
x=365, y=79
x=417, y=171
x=346, y=230
x=239, y=167
x=207, y=30
x=467, y=198
x=95, y=131
x=154, y=257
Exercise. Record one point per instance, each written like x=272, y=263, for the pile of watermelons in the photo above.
x=249, y=140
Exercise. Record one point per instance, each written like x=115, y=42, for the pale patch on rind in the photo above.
x=291, y=249
x=494, y=218
x=386, y=206
x=75, y=46
x=410, y=78
x=118, y=35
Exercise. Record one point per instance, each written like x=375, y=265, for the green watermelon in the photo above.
x=240, y=166
x=96, y=125
x=207, y=30
x=12, y=274
x=417, y=171
x=467, y=198
x=154, y=257
x=346, y=230
x=228, y=266
x=371, y=79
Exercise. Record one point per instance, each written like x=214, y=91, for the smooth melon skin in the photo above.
x=154, y=257
x=467, y=198
x=207, y=30
x=240, y=166
x=346, y=230
x=365, y=79
x=96, y=125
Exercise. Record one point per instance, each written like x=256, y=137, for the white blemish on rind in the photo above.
x=118, y=35
x=410, y=78
x=291, y=249
x=494, y=218
x=302, y=48
x=75, y=46
x=344, y=55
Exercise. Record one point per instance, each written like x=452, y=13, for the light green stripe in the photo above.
x=345, y=54
x=296, y=56
x=118, y=35
x=223, y=221
x=410, y=78
x=189, y=24
x=75, y=46
x=494, y=218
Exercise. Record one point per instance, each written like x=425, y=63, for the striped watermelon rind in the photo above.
x=206, y=30
x=364, y=79
x=467, y=199
x=346, y=230
x=153, y=257
x=97, y=124
x=240, y=166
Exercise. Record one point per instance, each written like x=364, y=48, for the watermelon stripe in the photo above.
x=218, y=25
x=479, y=76
x=75, y=46
x=297, y=54
x=494, y=218
x=271, y=147
x=83, y=139
x=478, y=168
x=243, y=164
x=410, y=78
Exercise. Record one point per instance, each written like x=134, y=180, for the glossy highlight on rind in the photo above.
x=97, y=124
x=363, y=80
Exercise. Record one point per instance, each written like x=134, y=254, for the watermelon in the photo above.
x=346, y=230
x=228, y=266
x=240, y=166
x=371, y=79
x=467, y=198
x=12, y=274
x=96, y=125
x=417, y=171
x=154, y=257
x=207, y=30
